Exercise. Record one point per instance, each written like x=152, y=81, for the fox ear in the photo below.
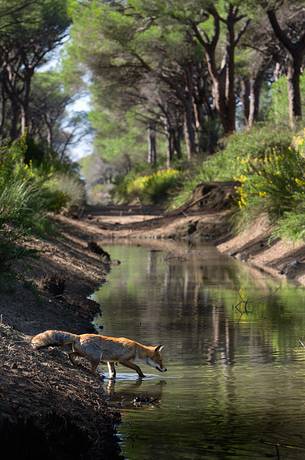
x=159, y=348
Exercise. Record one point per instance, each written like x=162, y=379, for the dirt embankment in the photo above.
x=277, y=257
x=206, y=218
x=50, y=409
x=30, y=303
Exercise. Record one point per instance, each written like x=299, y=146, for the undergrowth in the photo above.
x=28, y=192
x=154, y=188
x=238, y=150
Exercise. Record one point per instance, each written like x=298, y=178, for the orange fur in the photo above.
x=100, y=348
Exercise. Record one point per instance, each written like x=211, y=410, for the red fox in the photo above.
x=100, y=348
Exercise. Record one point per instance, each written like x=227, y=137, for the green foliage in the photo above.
x=122, y=40
x=238, y=150
x=149, y=189
x=270, y=164
x=274, y=184
x=65, y=191
x=19, y=203
x=277, y=111
x=33, y=20
x=118, y=135
x=291, y=226
x=27, y=194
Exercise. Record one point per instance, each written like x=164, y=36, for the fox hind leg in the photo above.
x=94, y=365
x=72, y=357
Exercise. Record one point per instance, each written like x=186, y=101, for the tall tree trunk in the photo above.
x=152, y=143
x=170, y=145
x=294, y=93
x=14, y=131
x=245, y=97
x=24, y=120
x=224, y=106
x=296, y=51
x=25, y=105
x=49, y=135
x=189, y=127
x=177, y=136
x=223, y=85
x=255, y=90
x=230, y=79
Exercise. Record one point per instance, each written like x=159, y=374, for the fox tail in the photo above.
x=52, y=338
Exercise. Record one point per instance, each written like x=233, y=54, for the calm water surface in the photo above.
x=235, y=386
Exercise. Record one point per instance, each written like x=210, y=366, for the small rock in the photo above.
x=97, y=249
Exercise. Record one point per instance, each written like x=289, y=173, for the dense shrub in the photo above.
x=149, y=189
x=28, y=193
x=238, y=150
x=275, y=185
x=20, y=202
x=65, y=191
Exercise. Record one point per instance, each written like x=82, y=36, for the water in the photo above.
x=235, y=386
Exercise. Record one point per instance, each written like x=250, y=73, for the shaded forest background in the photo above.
x=181, y=92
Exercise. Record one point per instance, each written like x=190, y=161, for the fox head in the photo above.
x=155, y=360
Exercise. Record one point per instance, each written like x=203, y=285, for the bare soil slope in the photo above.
x=50, y=409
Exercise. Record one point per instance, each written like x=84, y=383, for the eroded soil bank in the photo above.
x=49, y=408
x=255, y=246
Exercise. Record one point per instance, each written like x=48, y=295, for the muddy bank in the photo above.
x=28, y=302
x=255, y=246
x=51, y=408
x=194, y=225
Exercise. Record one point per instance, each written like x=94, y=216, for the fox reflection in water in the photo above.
x=134, y=393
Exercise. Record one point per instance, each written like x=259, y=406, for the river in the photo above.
x=235, y=385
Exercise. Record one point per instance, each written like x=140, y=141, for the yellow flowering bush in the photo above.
x=274, y=184
x=137, y=185
x=298, y=142
x=240, y=150
x=152, y=188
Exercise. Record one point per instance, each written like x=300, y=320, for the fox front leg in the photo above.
x=111, y=370
x=133, y=366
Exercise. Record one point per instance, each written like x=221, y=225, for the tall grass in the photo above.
x=27, y=195
x=68, y=192
x=21, y=202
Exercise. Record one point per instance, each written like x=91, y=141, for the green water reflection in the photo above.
x=235, y=386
